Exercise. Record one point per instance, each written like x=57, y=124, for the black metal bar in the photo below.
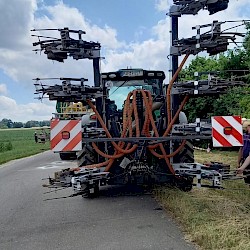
x=152, y=139
x=97, y=75
x=175, y=63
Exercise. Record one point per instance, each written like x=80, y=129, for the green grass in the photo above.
x=22, y=144
x=212, y=219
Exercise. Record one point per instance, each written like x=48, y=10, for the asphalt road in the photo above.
x=117, y=220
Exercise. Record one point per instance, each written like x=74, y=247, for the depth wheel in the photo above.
x=90, y=195
x=184, y=183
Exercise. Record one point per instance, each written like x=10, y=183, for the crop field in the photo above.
x=212, y=219
x=19, y=143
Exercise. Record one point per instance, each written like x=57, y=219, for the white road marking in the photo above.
x=58, y=164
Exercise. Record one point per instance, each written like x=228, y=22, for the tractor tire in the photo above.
x=186, y=155
x=184, y=184
x=88, y=195
x=86, y=156
x=67, y=156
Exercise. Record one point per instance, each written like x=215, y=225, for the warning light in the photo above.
x=65, y=135
x=93, y=117
x=228, y=130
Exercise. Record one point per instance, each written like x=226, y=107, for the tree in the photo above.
x=6, y=123
x=30, y=124
x=17, y=125
x=200, y=107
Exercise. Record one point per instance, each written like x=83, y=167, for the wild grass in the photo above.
x=19, y=143
x=212, y=219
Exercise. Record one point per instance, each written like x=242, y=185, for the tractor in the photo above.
x=140, y=134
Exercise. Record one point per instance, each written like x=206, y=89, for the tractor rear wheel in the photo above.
x=87, y=191
x=86, y=156
x=186, y=155
x=67, y=156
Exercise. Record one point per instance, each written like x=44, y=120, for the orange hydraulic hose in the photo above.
x=127, y=120
x=168, y=130
x=156, y=131
x=170, y=85
x=117, y=147
x=98, y=165
x=148, y=107
x=128, y=113
x=121, y=144
x=176, y=116
x=110, y=161
x=114, y=156
x=173, y=120
x=129, y=110
x=169, y=155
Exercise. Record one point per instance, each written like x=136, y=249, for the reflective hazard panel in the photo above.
x=65, y=135
x=227, y=131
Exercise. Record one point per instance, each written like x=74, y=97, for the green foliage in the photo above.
x=8, y=146
x=200, y=64
x=19, y=143
x=17, y=125
x=6, y=123
x=1, y=146
x=5, y=146
x=245, y=102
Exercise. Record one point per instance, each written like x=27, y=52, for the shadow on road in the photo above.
x=124, y=190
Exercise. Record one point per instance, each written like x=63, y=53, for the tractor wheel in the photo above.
x=67, y=156
x=184, y=184
x=87, y=193
x=86, y=156
x=186, y=155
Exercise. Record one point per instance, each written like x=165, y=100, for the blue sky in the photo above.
x=132, y=34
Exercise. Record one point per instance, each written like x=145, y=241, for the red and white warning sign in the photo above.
x=227, y=131
x=65, y=135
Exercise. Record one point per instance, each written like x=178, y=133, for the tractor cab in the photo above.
x=120, y=83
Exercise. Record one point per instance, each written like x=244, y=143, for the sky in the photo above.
x=132, y=33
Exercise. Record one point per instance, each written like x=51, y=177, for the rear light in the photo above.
x=65, y=135
x=228, y=130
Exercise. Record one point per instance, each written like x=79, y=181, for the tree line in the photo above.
x=8, y=123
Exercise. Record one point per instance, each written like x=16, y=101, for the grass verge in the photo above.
x=213, y=219
x=19, y=143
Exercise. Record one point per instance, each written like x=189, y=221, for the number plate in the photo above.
x=131, y=73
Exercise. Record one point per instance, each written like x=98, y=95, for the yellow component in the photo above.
x=74, y=108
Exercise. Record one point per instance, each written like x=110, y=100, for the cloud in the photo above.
x=61, y=15
x=15, y=19
x=163, y=5
x=3, y=89
x=21, y=64
x=150, y=54
x=25, y=112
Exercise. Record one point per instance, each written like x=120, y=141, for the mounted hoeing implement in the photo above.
x=138, y=133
